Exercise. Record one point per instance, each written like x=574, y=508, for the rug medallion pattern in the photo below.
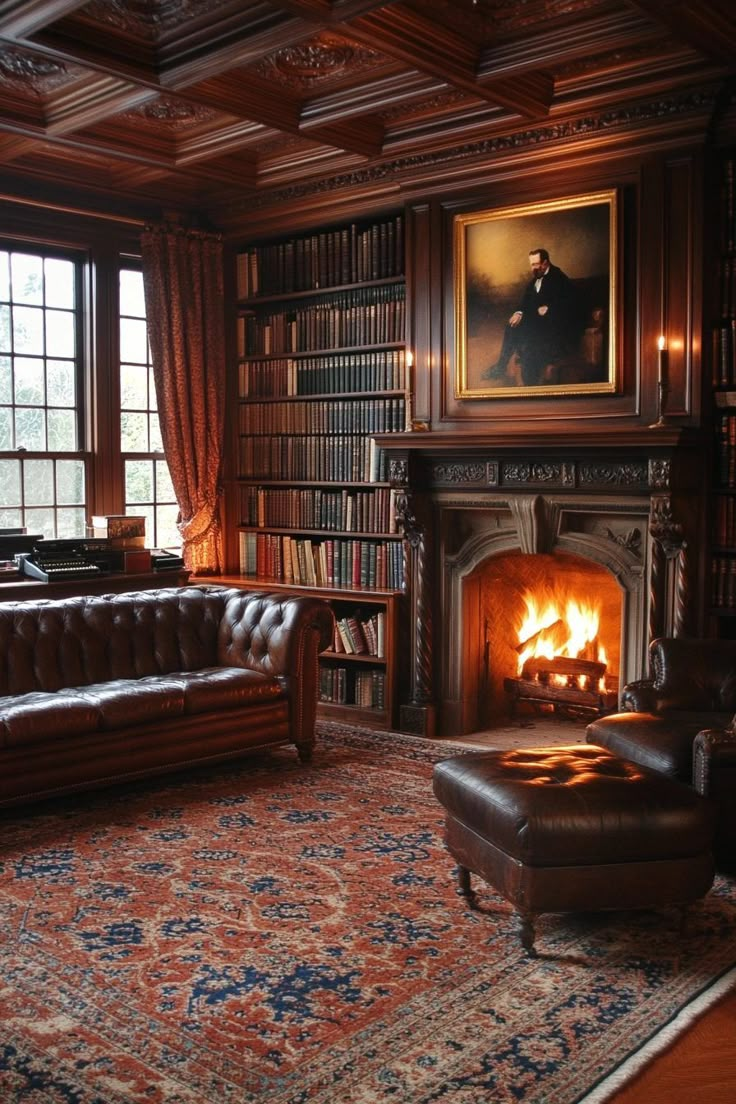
x=273, y=932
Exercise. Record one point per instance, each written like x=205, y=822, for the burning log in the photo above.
x=539, y=669
x=530, y=640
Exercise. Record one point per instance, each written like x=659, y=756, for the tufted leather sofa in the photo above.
x=680, y=722
x=95, y=690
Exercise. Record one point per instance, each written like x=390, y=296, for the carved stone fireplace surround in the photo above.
x=630, y=499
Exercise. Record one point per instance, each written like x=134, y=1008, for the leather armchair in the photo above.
x=680, y=722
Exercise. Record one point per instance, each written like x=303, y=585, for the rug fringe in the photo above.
x=660, y=1042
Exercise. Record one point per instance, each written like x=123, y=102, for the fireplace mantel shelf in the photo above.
x=541, y=438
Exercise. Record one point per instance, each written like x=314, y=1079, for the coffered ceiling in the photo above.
x=230, y=107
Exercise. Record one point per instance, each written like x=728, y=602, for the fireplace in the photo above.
x=542, y=634
x=493, y=523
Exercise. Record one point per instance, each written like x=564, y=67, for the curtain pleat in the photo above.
x=183, y=284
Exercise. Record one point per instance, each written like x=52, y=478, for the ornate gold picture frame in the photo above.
x=535, y=299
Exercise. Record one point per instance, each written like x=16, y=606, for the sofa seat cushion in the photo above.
x=38, y=717
x=660, y=741
x=226, y=688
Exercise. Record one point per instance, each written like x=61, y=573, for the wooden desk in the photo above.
x=20, y=590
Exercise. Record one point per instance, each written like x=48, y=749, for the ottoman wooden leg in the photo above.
x=526, y=932
x=464, y=887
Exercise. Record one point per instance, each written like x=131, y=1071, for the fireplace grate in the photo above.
x=563, y=685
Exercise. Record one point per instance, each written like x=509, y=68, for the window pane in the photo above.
x=152, y=396
x=134, y=432
x=70, y=522
x=70, y=481
x=6, y=380
x=60, y=383
x=29, y=381
x=133, y=387
x=9, y=482
x=4, y=275
x=157, y=444
x=28, y=330
x=27, y=277
x=10, y=519
x=133, y=341
x=60, y=333
x=62, y=427
x=30, y=429
x=131, y=293
x=138, y=481
x=6, y=428
x=38, y=482
x=167, y=533
x=41, y=521
x=164, y=486
x=5, y=342
x=59, y=282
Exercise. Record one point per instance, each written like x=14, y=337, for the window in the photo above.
x=41, y=486
x=148, y=488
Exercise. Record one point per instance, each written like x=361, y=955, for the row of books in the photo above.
x=724, y=520
x=367, y=316
x=724, y=353
x=331, y=562
x=378, y=370
x=356, y=415
x=727, y=284
x=726, y=449
x=340, y=686
x=347, y=255
x=308, y=508
x=315, y=459
x=357, y=634
x=723, y=583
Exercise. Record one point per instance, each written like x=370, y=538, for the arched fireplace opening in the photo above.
x=542, y=634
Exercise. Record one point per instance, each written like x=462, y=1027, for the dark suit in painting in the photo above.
x=545, y=327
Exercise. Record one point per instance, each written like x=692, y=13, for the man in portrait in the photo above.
x=545, y=327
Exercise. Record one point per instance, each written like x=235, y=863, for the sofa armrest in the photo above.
x=714, y=762
x=281, y=636
x=639, y=697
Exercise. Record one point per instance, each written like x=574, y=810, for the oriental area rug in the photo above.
x=274, y=933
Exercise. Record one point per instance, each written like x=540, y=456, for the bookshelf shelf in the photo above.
x=321, y=368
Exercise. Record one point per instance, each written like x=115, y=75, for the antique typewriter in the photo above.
x=55, y=560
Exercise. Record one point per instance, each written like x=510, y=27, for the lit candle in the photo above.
x=662, y=364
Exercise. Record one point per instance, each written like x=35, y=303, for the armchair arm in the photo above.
x=714, y=762
x=282, y=636
x=639, y=697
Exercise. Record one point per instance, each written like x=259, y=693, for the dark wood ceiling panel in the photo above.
x=230, y=107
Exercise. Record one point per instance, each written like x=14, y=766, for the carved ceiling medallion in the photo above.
x=174, y=114
x=31, y=72
x=149, y=18
x=323, y=58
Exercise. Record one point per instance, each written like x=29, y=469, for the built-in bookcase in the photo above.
x=723, y=575
x=322, y=366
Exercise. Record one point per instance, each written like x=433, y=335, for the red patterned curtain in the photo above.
x=183, y=283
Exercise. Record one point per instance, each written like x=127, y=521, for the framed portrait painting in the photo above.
x=535, y=296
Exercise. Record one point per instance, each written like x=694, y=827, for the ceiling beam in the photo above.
x=415, y=41
x=24, y=17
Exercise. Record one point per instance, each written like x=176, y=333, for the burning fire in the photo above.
x=546, y=632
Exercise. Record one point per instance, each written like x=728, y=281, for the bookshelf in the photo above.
x=723, y=573
x=321, y=368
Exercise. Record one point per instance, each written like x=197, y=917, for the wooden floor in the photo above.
x=700, y=1067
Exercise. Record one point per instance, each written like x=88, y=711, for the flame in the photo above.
x=548, y=632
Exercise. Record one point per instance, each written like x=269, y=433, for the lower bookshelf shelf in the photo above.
x=358, y=674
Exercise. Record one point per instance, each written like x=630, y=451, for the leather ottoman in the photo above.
x=567, y=829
